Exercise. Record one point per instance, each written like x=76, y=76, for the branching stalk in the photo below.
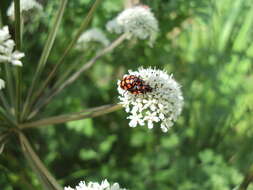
x=5, y=102
x=89, y=113
x=10, y=87
x=18, y=42
x=44, y=175
x=72, y=78
x=67, y=50
x=45, y=54
x=7, y=117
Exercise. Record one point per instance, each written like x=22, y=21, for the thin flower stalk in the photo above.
x=18, y=41
x=9, y=118
x=45, y=54
x=4, y=101
x=88, y=113
x=33, y=159
x=73, y=77
x=67, y=51
x=9, y=87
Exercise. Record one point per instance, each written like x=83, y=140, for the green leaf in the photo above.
x=229, y=23
x=88, y=154
x=105, y=146
x=245, y=31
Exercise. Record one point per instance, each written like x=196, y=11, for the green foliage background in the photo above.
x=207, y=45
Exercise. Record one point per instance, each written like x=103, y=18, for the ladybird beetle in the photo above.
x=134, y=85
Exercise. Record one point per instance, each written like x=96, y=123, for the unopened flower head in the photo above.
x=25, y=5
x=138, y=21
x=92, y=35
x=161, y=106
x=7, y=47
x=95, y=186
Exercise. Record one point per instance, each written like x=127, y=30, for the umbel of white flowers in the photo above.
x=95, y=186
x=137, y=21
x=6, y=51
x=92, y=35
x=161, y=106
x=25, y=5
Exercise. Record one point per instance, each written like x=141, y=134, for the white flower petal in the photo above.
x=17, y=55
x=17, y=63
x=164, y=129
x=6, y=49
x=150, y=124
x=4, y=34
x=4, y=58
x=68, y=188
x=2, y=84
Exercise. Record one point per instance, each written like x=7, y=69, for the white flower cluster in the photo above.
x=92, y=35
x=162, y=106
x=137, y=21
x=95, y=186
x=7, y=47
x=25, y=5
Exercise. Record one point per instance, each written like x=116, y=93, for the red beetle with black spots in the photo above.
x=135, y=85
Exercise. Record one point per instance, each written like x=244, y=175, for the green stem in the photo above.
x=1, y=19
x=5, y=102
x=72, y=78
x=45, y=177
x=7, y=117
x=45, y=54
x=10, y=87
x=89, y=113
x=67, y=50
x=18, y=47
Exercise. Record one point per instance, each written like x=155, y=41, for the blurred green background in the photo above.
x=207, y=45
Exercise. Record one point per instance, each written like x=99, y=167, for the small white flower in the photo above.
x=6, y=49
x=137, y=21
x=2, y=84
x=161, y=106
x=25, y=5
x=92, y=35
x=95, y=186
x=4, y=34
x=135, y=119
